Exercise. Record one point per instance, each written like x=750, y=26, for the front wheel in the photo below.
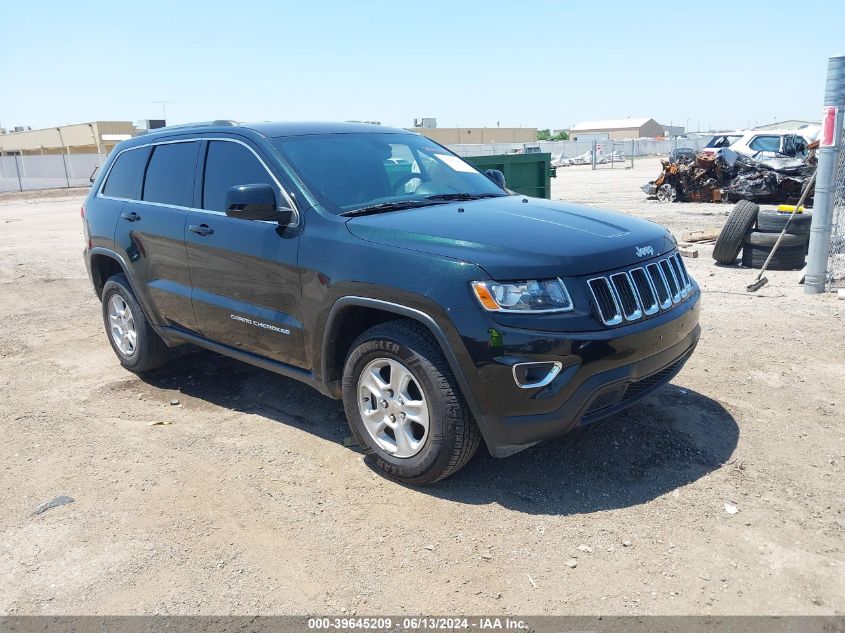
x=404, y=406
x=667, y=193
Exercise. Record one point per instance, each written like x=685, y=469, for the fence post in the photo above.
x=633, y=148
x=594, y=155
x=18, y=172
x=64, y=164
x=831, y=144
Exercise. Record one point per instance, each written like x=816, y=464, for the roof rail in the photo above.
x=187, y=126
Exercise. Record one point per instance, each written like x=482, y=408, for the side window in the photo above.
x=124, y=180
x=170, y=174
x=765, y=144
x=228, y=165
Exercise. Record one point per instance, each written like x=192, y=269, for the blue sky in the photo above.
x=465, y=62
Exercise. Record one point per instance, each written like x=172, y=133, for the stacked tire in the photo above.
x=790, y=254
x=755, y=231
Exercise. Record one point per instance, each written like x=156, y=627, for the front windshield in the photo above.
x=347, y=172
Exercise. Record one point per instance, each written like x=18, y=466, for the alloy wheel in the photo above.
x=393, y=407
x=122, y=325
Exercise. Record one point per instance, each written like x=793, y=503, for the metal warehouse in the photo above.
x=96, y=137
x=613, y=129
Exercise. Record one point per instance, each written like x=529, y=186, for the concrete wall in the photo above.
x=456, y=135
x=27, y=172
x=571, y=149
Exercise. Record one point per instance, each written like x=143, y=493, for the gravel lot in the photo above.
x=248, y=501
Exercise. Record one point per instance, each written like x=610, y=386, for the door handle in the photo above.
x=201, y=229
x=131, y=216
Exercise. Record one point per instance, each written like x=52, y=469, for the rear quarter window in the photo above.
x=170, y=174
x=124, y=179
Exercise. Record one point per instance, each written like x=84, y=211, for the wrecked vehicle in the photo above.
x=616, y=156
x=719, y=141
x=729, y=176
x=582, y=159
x=770, y=144
x=559, y=160
x=681, y=155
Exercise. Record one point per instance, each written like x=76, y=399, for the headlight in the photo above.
x=548, y=295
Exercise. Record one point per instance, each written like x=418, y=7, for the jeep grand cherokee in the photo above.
x=378, y=267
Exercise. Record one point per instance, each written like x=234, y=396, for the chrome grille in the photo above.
x=642, y=291
x=669, y=275
x=628, y=300
x=606, y=301
x=661, y=287
x=645, y=290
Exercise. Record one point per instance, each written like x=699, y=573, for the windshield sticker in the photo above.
x=455, y=163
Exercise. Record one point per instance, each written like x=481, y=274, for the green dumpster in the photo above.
x=529, y=174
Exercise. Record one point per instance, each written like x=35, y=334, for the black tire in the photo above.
x=730, y=240
x=789, y=256
x=773, y=221
x=150, y=352
x=767, y=240
x=453, y=436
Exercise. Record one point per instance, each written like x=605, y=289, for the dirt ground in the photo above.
x=249, y=502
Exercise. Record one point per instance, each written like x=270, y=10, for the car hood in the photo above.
x=517, y=237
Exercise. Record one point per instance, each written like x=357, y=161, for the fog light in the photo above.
x=534, y=375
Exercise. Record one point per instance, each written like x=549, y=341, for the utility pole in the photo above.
x=830, y=144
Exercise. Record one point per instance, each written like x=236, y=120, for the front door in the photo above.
x=244, y=273
x=150, y=232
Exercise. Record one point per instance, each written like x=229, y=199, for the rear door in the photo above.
x=150, y=232
x=121, y=185
x=246, y=291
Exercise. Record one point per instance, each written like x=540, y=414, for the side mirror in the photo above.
x=496, y=176
x=256, y=202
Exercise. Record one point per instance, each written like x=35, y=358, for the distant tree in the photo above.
x=546, y=135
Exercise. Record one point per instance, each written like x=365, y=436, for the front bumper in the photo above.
x=602, y=372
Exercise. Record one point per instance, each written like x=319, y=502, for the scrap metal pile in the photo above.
x=728, y=176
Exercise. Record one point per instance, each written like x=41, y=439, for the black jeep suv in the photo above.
x=380, y=268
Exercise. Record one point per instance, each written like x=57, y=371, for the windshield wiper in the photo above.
x=463, y=196
x=382, y=207
x=386, y=206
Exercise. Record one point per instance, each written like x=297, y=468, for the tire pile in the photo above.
x=754, y=231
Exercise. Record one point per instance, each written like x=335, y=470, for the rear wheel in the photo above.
x=136, y=344
x=404, y=406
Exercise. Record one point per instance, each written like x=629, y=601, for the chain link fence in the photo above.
x=48, y=171
x=580, y=152
x=53, y=171
x=836, y=259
